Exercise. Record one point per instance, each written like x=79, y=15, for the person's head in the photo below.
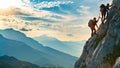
x=101, y=5
x=107, y=4
x=94, y=18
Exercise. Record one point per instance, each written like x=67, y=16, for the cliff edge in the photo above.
x=103, y=49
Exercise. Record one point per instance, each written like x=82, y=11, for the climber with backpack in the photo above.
x=92, y=24
x=103, y=11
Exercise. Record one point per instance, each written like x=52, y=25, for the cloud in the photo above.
x=34, y=22
x=14, y=11
x=46, y=4
x=38, y=19
x=25, y=29
x=83, y=10
x=70, y=35
x=58, y=17
x=8, y=11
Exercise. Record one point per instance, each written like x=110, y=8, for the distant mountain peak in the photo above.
x=47, y=37
x=11, y=62
x=9, y=29
x=8, y=57
x=25, y=48
x=69, y=47
x=1, y=36
x=10, y=33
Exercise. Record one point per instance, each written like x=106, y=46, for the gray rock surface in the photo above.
x=117, y=64
x=102, y=44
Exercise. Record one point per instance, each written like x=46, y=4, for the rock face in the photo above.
x=103, y=49
x=117, y=64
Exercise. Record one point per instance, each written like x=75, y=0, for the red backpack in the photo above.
x=90, y=23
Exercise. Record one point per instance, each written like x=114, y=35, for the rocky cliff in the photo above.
x=103, y=49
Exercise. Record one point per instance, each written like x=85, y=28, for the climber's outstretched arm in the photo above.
x=98, y=18
x=97, y=26
x=111, y=5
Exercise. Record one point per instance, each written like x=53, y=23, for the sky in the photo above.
x=65, y=20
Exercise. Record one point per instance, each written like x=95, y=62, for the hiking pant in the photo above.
x=93, y=30
x=103, y=13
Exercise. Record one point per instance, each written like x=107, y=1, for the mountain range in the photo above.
x=16, y=44
x=11, y=62
x=69, y=47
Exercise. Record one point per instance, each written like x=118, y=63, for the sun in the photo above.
x=8, y=3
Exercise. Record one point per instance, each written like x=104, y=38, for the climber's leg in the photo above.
x=102, y=19
x=92, y=31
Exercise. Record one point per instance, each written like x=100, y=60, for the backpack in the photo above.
x=102, y=8
x=90, y=23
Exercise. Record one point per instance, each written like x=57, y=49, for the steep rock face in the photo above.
x=117, y=64
x=102, y=50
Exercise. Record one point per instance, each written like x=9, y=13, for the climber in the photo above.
x=103, y=11
x=92, y=24
x=108, y=7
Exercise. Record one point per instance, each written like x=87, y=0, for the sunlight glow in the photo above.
x=8, y=3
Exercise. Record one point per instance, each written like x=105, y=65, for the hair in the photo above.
x=94, y=18
x=101, y=5
x=107, y=4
